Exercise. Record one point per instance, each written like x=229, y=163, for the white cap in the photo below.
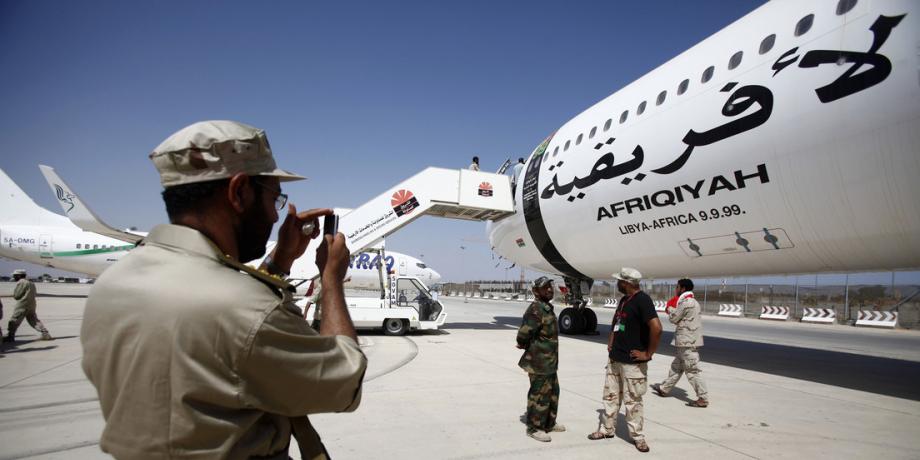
x=628, y=274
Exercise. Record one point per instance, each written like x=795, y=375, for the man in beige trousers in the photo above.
x=688, y=337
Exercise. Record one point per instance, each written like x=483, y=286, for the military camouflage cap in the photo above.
x=212, y=150
x=19, y=271
x=542, y=281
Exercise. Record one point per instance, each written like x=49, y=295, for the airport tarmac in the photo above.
x=778, y=390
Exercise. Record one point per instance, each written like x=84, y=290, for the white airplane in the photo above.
x=788, y=142
x=363, y=272
x=32, y=234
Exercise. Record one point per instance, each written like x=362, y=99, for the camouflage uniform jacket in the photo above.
x=539, y=337
x=688, y=331
x=24, y=295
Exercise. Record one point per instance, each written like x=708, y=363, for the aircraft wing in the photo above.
x=79, y=213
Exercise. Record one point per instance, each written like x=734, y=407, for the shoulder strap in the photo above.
x=274, y=282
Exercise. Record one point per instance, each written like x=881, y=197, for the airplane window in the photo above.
x=844, y=6
x=661, y=96
x=707, y=74
x=804, y=25
x=78, y=245
x=682, y=88
x=592, y=133
x=767, y=43
x=556, y=150
x=607, y=125
x=578, y=140
x=421, y=265
x=95, y=246
x=623, y=116
x=641, y=108
x=567, y=143
x=735, y=60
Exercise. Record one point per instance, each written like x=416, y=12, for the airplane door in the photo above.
x=44, y=247
x=402, y=267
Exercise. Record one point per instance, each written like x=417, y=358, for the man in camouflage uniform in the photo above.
x=688, y=337
x=538, y=336
x=24, y=295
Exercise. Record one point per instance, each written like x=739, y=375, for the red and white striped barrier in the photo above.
x=660, y=305
x=877, y=318
x=775, y=313
x=731, y=309
x=819, y=315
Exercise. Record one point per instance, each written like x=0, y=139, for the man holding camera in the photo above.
x=194, y=354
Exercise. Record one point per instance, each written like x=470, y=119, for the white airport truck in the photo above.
x=402, y=304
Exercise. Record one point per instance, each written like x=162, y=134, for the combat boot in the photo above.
x=541, y=436
x=10, y=334
x=46, y=336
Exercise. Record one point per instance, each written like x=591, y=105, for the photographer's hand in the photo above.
x=292, y=243
x=332, y=261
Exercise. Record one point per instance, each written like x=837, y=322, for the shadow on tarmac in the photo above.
x=12, y=350
x=872, y=374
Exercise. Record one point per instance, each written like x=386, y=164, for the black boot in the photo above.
x=10, y=334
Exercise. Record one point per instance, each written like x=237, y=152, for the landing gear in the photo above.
x=571, y=321
x=577, y=319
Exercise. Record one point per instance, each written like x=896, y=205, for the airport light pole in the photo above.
x=465, y=283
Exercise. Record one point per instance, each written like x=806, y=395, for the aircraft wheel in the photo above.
x=590, y=320
x=571, y=321
x=395, y=326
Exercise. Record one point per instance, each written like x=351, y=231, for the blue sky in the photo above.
x=354, y=95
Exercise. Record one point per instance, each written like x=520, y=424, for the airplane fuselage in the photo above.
x=63, y=248
x=782, y=144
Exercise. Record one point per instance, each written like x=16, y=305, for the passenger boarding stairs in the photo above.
x=454, y=194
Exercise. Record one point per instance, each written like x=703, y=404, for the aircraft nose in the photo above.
x=434, y=276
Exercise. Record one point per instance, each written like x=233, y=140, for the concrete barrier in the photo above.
x=774, y=313
x=876, y=318
x=660, y=305
x=819, y=315
x=610, y=303
x=731, y=309
x=476, y=295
